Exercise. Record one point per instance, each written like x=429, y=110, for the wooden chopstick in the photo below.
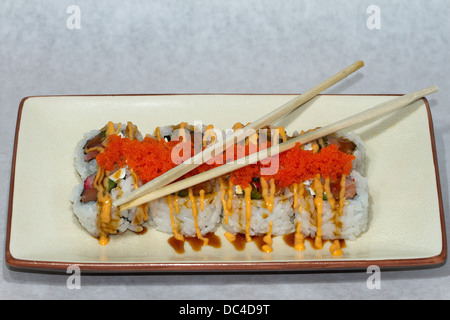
x=370, y=114
x=239, y=135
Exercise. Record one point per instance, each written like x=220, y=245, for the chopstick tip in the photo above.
x=434, y=88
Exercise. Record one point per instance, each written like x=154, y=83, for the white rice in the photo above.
x=355, y=217
x=281, y=216
x=87, y=213
x=208, y=219
x=85, y=169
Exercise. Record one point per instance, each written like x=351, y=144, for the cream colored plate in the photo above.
x=406, y=227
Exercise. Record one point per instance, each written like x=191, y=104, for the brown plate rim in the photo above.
x=54, y=266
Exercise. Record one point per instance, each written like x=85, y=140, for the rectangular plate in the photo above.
x=407, y=218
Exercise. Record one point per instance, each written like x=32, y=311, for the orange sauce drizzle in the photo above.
x=111, y=130
x=229, y=236
x=99, y=149
x=195, y=215
x=175, y=204
x=209, y=132
x=342, y=195
x=177, y=236
x=224, y=202
x=141, y=214
x=315, y=146
x=230, y=197
x=202, y=200
x=299, y=239
x=104, y=203
x=238, y=126
x=335, y=248
x=294, y=188
x=318, y=201
x=248, y=211
x=329, y=194
x=282, y=133
x=158, y=134
x=265, y=192
x=183, y=131
x=268, y=240
x=298, y=190
x=130, y=130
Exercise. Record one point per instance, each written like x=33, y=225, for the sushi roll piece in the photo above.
x=92, y=204
x=317, y=191
x=350, y=143
x=253, y=204
x=196, y=211
x=94, y=142
x=92, y=198
x=333, y=206
x=258, y=208
x=338, y=214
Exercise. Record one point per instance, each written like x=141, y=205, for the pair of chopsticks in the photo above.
x=197, y=160
x=159, y=187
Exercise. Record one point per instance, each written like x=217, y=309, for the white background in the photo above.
x=215, y=46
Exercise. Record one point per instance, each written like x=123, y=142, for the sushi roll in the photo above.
x=92, y=198
x=318, y=191
x=94, y=142
x=196, y=211
x=253, y=204
x=333, y=206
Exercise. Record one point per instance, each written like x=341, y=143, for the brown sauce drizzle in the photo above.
x=260, y=243
x=177, y=245
x=142, y=232
x=239, y=242
x=289, y=239
x=195, y=243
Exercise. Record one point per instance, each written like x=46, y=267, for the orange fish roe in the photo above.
x=148, y=159
x=244, y=175
x=151, y=158
x=297, y=165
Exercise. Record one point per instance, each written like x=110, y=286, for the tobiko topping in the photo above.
x=151, y=158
